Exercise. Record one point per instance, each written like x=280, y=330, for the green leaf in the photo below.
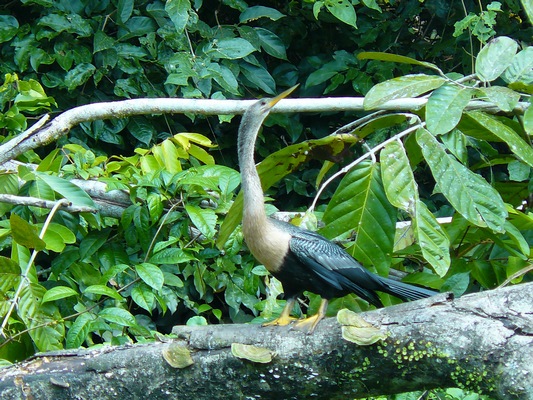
x=517, y=145
x=527, y=5
x=259, y=77
x=79, y=330
x=518, y=171
x=178, y=11
x=528, y=120
x=505, y=98
x=42, y=320
x=521, y=67
x=376, y=55
x=271, y=43
x=58, y=292
x=151, y=275
x=398, y=179
x=467, y=192
x=66, y=189
x=103, y=290
x=518, y=239
x=445, y=107
x=143, y=296
x=118, y=316
x=142, y=129
x=57, y=236
x=167, y=156
x=92, y=242
x=72, y=23
x=255, y=12
x=342, y=10
x=79, y=75
x=403, y=87
x=205, y=219
x=124, y=10
x=233, y=48
x=25, y=234
x=171, y=256
x=360, y=204
x=8, y=28
x=433, y=240
x=9, y=274
x=494, y=58
x=457, y=284
x=402, y=192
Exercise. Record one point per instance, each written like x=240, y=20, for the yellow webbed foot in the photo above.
x=309, y=324
x=285, y=316
x=281, y=321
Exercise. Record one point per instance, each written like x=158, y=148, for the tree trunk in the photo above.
x=482, y=342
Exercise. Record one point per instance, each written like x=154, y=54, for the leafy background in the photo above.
x=93, y=279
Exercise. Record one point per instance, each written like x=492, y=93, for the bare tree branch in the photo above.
x=64, y=122
x=482, y=341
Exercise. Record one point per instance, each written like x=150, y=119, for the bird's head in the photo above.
x=264, y=106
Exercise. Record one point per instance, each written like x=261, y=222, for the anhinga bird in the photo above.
x=302, y=260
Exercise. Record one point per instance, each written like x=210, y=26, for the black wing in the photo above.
x=342, y=272
x=334, y=266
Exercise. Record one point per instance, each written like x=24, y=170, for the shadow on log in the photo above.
x=482, y=342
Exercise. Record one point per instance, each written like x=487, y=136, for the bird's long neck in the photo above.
x=267, y=243
x=253, y=208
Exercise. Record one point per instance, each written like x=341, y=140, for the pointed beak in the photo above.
x=280, y=96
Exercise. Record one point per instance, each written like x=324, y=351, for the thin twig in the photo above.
x=370, y=153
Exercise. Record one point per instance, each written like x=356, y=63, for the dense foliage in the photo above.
x=175, y=255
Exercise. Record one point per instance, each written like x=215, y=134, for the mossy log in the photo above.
x=482, y=342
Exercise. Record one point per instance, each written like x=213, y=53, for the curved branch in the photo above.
x=487, y=347
x=64, y=122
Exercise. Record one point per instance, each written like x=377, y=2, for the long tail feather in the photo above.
x=405, y=291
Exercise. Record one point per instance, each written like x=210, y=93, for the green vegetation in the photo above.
x=175, y=255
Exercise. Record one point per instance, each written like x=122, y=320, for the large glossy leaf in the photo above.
x=521, y=68
x=57, y=293
x=433, y=240
x=343, y=10
x=43, y=321
x=92, y=242
x=402, y=87
x=151, y=275
x=143, y=295
x=67, y=189
x=118, y=316
x=280, y=164
x=398, y=179
x=57, y=236
x=255, y=12
x=233, y=48
x=518, y=146
x=167, y=156
x=445, y=107
x=360, y=204
x=171, y=256
x=25, y=234
x=271, y=43
x=376, y=55
x=9, y=274
x=505, y=98
x=178, y=11
x=79, y=330
x=205, y=219
x=103, y=290
x=495, y=57
x=466, y=191
x=402, y=192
